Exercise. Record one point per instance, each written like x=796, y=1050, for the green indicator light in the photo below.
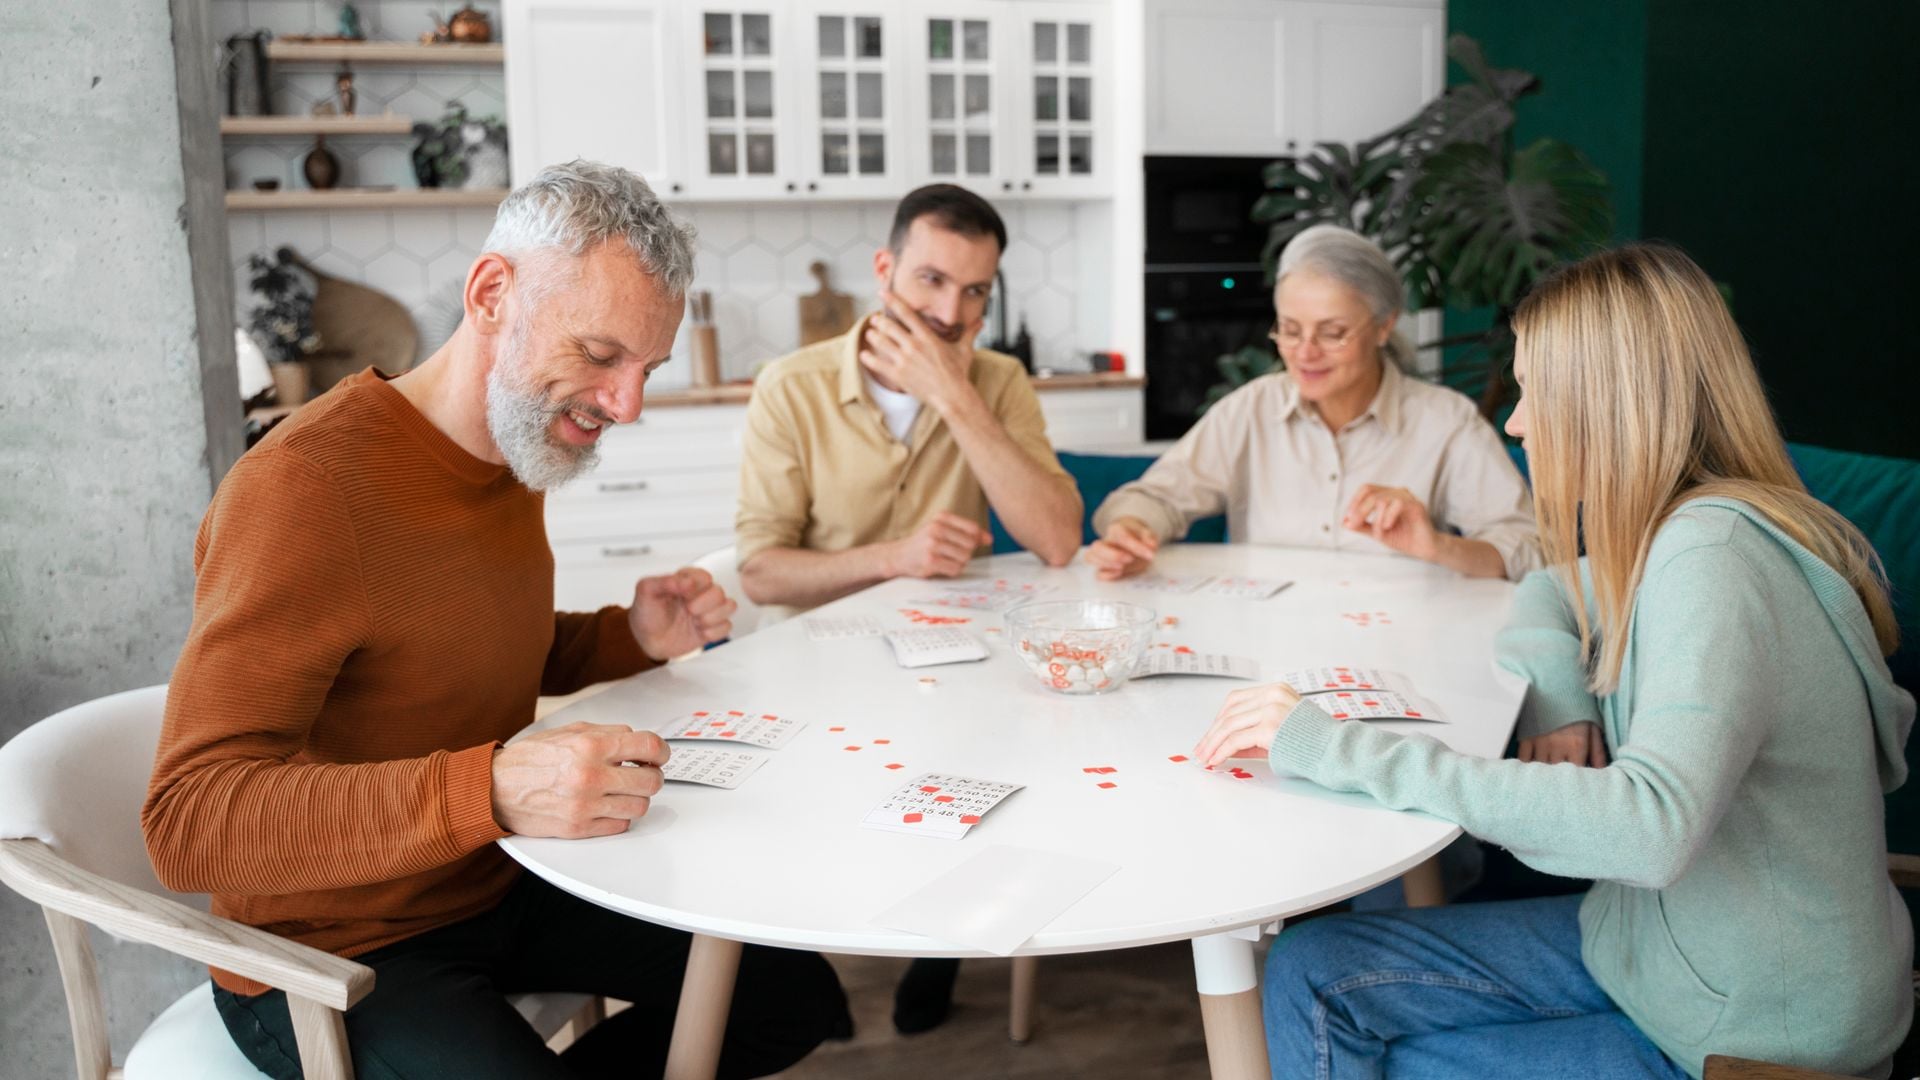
x=1226, y=283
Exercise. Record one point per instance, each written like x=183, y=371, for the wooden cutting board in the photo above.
x=825, y=314
x=359, y=327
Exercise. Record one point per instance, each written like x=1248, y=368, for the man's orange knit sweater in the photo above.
x=373, y=614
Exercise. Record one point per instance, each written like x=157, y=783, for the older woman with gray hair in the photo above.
x=1342, y=449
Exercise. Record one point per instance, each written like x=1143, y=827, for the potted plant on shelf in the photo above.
x=1469, y=221
x=281, y=321
x=460, y=151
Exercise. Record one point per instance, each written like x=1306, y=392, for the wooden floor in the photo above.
x=1115, y=1015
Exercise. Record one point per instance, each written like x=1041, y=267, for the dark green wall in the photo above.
x=1780, y=152
x=1591, y=58
x=1778, y=144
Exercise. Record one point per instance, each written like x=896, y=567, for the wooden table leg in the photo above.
x=1223, y=970
x=1424, y=886
x=1020, y=998
x=706, y=995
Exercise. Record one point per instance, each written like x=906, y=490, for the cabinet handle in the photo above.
x=676, y=189
x=811, y=186
x=1006, y=185
x=623, y=485
x=626, y=552
x=792, y=186
x=1026, y=185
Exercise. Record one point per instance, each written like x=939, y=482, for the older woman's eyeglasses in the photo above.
x=1329, y=338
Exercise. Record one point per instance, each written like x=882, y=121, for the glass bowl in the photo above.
x=1080, y=646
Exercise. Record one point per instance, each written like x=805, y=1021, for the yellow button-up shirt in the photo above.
x=1264, y=457
x=820, y=471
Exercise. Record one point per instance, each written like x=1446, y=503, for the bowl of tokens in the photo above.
x=1080, y=646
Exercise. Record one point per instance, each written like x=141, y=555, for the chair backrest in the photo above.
x=726, y=575
x=76, y=781
x=1097, y=476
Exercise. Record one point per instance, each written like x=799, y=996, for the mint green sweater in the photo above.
x=1737, y=841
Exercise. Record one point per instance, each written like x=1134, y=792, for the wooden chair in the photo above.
x=71, y=787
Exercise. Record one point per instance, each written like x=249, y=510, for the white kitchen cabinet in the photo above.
x=594, y=79
x=1269, y=77
x=852, y=136
x=962, y=111
x=1060, y=140
x=742, y=96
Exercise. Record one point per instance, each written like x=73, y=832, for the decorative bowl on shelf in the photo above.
x=266, y=183
x=1080, y=646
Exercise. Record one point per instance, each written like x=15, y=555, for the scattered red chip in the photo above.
x=735, y=712
x=768, y=716
x=910, y=818
x=1339, y=716
x=882, y=742
x=1099, y=770
x=836, y=729
x=703, y=712
x=1412, y=712
x=969, y=819
x=1108, y=784
x=1182, y=649
x=895, y=765
x=852, y=748
x=1177, y=757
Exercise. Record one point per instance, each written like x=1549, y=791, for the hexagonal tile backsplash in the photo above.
x=753, y=258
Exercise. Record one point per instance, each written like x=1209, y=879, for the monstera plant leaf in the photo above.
x=1490, y=232
x=1330, y=184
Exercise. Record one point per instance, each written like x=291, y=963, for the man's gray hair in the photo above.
x=1358, y=263
x=574, y=207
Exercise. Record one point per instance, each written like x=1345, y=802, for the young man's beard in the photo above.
x=520, y=419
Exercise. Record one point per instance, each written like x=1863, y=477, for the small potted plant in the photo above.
x=460, y=151
x=281, y=321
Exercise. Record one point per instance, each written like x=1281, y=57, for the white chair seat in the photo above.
x=189, y=1041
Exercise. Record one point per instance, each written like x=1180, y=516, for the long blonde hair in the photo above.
x=1641, y=395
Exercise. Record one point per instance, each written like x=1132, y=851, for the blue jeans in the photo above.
x=1478, y=991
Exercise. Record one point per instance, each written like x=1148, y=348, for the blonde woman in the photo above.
x=1340, y=450
x=1708, y=733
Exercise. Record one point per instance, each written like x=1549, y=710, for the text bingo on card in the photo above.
x=1373, y=705
x=938, y=804
x=732, y=725
x=710, y=765
x=1167, y=583
x=1321, y=680
x=1216, y=665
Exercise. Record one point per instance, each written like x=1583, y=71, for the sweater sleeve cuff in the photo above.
x=469, y=778
x=1301, y=742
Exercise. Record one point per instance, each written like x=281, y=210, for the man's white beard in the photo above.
x=520, y=419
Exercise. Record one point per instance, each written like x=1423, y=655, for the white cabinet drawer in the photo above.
x=641, y=488
x=1093, y=419
x=614, y=520
x=677, y=439
x=592, y=574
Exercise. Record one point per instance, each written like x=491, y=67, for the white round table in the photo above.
x=784, y=860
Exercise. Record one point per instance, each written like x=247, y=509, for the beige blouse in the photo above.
x=1264, y=457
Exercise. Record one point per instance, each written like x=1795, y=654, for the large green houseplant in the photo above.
x=1469, y=221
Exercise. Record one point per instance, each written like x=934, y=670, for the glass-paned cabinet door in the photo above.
x=853, y=98
x=1062, y=43
x=961, y=65
x=739, y=142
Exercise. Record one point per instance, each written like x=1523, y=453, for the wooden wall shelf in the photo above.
x=388, y=124
x=362, y=199
x=383, y=52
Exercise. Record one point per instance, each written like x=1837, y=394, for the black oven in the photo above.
x=1206, y=293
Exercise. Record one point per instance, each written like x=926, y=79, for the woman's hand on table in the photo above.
x=676, y=614
x=1127, y=548
x=1579, y=743
x=1246, y=723
x=1394, y=517
x=578, y=780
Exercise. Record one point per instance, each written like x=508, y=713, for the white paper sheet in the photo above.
x=998, y=899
